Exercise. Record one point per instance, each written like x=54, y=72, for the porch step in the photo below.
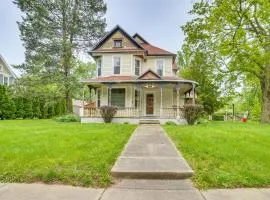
x=149, y=121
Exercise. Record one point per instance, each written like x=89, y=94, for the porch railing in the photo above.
x=121, y=112
x=170, y=112
x=127, y=112
x=165, y=112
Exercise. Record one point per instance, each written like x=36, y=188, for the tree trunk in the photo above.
x=265, y=86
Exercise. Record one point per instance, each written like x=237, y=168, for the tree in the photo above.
x=36, y=108
x=27, y=108
x=7, y=106
x=53, y=32
x=198, y=66
x=236, y=32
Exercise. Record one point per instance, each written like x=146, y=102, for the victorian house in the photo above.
x=140, y=79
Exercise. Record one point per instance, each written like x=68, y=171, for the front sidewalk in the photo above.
x=150, y=154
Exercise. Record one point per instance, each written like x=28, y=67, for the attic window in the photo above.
x=118, y=44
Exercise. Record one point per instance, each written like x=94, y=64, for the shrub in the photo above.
x=108, y=113
x=68, y=118
x=192, y=112
x=171, y=123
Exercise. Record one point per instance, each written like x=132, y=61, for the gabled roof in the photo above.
x=145, y=46
x=149, y=75
x=107, y=36
x=8, y=67
x=140, y=37
x=155, y=51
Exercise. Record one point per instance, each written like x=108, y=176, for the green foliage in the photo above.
x=170, y=123
x=27, y=109
x=218, y=117
x=192, y=112
x=7, y=106
x=36, y=108
x=19, y=107
x=65, y=29
x=68, y=118
x=108, y=113
x=199, y=67
x=235, y=37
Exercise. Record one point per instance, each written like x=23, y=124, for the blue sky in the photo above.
x=158, y=21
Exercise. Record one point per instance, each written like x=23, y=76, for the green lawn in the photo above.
x=66, y=153
x=225, y=155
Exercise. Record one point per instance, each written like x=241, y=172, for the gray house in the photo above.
x=7, y=76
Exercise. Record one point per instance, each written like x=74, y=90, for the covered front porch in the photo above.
x=141, y=99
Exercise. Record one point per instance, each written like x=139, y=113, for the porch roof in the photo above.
x=134, y=79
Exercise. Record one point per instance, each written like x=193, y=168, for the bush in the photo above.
x=171, y=123
x=108, y=113
x=68, y=118
x=218, y=117
x=192, y=112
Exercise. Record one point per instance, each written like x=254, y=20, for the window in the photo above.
x=99, y=67
x=137, y=67
x=98, y=98
x=11, y=80
x=1, y=79
x=5, y=80
x=118, y=97
x=117, y=43
x=160, y=66
x=116, y=65
x=1, y=68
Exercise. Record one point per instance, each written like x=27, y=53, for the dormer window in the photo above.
x=117, y=44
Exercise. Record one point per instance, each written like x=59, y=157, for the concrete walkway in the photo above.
x=151, y=154
x=129, y=189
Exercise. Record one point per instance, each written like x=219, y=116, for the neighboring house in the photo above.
x=138, y=78
x=7, y=76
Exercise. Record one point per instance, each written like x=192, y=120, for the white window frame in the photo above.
x=136, y=59
x=1, y=68
x=113, y=57
x=99, y=60
x=118, y=40
x=163, y=69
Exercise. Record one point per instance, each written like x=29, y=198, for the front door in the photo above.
x=149, y=104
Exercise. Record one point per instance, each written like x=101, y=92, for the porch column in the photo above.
x=161, y=100
x=82, y=114
x=177, y=101
x=110, y=95
x=138, y=110
x=193, y=91
x=90, y=93
x=141, y=100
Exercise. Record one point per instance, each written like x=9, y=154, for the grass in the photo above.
x=63, y=153
x=225, y=155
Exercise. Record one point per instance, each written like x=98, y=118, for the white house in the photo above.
x=138, y=78
x=7, y=76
